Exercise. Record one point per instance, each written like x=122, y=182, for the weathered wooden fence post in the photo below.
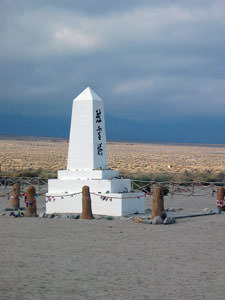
x=30, y=199
x=220, y=198
x=157, y=202
x=15, y=199
x=86, y=204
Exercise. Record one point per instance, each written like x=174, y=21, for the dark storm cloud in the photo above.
x=147, y=59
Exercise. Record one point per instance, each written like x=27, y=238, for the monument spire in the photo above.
x=87, y=142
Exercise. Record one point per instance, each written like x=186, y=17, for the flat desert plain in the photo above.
x=129, y=158
x=60, y=258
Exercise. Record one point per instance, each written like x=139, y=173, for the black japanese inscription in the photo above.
x=100, y=149
x=99, y=130
x=98, y=116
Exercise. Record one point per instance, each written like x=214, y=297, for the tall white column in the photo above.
x=87, y=142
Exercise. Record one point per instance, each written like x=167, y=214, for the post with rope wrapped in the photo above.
x=157, y=202
x=15, y=199
x=30, y=200
x=86, y=204
x=220, y=199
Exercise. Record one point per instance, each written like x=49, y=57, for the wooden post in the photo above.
x=15, y=200
x=221, y=193
x=220, y=196
x=30, y=199
x=86, y=204
x=157, y=202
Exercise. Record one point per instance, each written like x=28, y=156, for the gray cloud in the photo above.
x=146, y=59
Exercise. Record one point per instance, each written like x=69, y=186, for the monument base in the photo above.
x=110, y=196
x=118, y=204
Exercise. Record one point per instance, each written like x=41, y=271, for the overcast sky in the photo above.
x=146, y=59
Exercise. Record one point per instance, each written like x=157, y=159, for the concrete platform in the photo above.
x=116, y=204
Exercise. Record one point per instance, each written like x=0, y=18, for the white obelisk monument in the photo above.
x=87, y=145
x=87, y=165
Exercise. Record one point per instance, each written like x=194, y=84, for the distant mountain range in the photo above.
x=206, y=130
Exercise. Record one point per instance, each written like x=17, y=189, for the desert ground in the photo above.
x=64, y=258
x=60, y=258
x=134, y=159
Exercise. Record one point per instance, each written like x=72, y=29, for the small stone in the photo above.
x=170, y=209
x=169, y=220
x=74, y=216
x=147, y=221
x=52, y=216
x=99, y=217
x=42, y=215
x=148, y=211
x=157, y=220
x=63, y=216
x=8, y=209
x=207, y=210
x=138, y=220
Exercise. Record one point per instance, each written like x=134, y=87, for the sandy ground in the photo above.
x=114, y=259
